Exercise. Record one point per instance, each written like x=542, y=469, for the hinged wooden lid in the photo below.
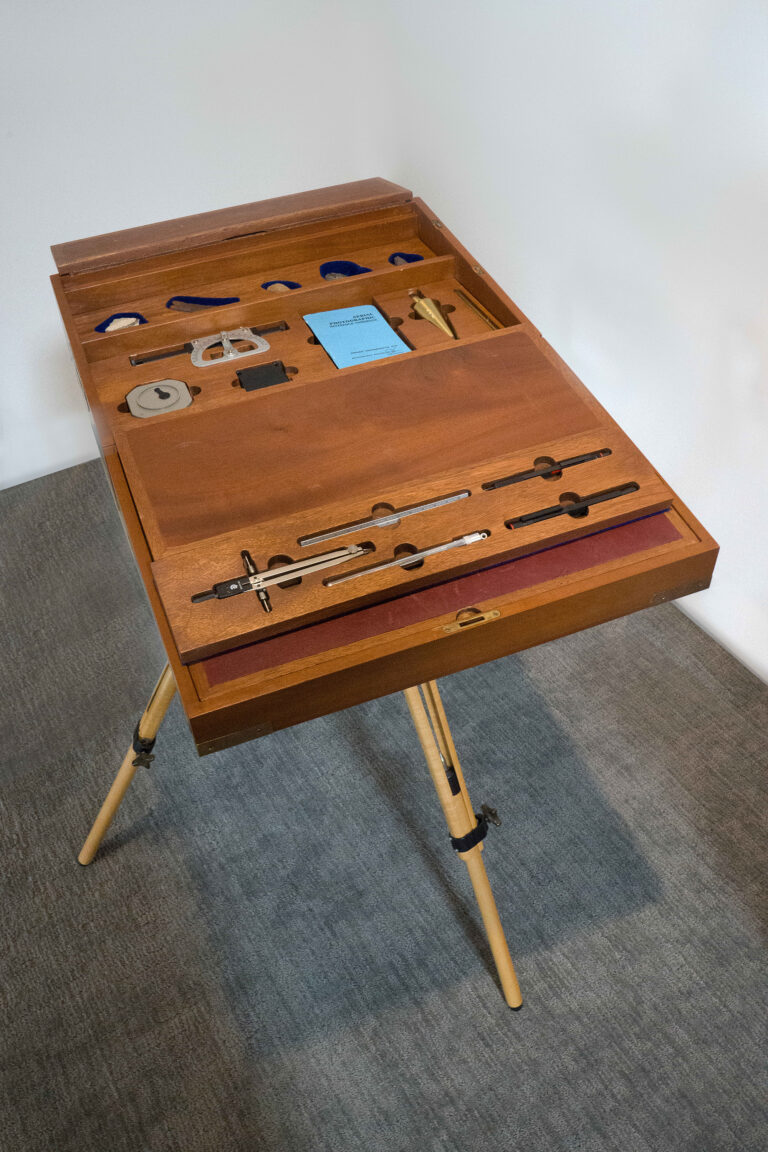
x=266, y=472
x=224, y=224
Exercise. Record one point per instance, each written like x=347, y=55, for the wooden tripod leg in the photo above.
x=146, y=731
x=454, y=799
x=439, y=722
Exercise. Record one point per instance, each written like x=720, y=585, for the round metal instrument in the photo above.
x=159, y=396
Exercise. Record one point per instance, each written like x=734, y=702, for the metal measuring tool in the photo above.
x=228, y=349
x=389, y=520
x=409, y=558
x=159, y=396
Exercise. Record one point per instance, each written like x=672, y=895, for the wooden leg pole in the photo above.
x=147, y=730
x=454, y=799
x=439, y=722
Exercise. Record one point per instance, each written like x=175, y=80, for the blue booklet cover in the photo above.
x=355, y=335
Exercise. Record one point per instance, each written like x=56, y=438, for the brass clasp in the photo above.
x=469, y=618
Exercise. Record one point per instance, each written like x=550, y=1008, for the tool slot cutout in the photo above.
x=383, y=515
x=571, y=504
x=401, y=554
x=180, y=349
x=279, y=562
x=545, y=467
x=408, y=550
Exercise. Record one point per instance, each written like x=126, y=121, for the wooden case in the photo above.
x=329, y=448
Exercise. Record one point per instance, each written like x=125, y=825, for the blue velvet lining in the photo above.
x=345, y=267
x=288, y=283
x=409, y=257
x=207, y=301
x=119, y=316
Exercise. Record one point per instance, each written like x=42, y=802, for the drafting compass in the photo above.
x=259, y=582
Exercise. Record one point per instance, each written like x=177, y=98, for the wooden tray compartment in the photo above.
x=305, y=683
x=291, y=449
x=265, y=476
x=239, y=266
x=258, y=689
x=242, y=273
x=213, y=626
x=295, y=346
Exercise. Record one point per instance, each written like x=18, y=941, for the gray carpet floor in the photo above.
x=277, y=949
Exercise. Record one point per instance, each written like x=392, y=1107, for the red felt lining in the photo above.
x=513, y=576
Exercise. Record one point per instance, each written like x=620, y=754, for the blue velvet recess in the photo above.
x=120, y=316
x=288, y=283
x=409, y=257
x=206, y=301
x=345, y=267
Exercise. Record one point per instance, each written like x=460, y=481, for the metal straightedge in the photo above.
x=408, y=559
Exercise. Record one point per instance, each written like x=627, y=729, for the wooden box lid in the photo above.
x=225, y=223
x=279, y=466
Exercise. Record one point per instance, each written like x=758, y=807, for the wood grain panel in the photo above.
x=404, y=419
x=478, y=588
x=393, y=662
x=241, y=256
x=214, y=625
x=248, y=286
x=263, y=308
x=209, y=227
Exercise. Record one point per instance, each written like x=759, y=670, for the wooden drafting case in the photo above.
x=567, y=524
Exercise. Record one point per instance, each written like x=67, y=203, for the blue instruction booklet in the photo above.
x=355, y=335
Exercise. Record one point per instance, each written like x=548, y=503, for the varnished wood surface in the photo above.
x=400, y=420
x=209, y=227
x=212, y=626
x=401, y=656
x=216, y=385
x=147, y=729
x=185, y=685
x=461, y=821
x=194, y=269
x=263, y=308
x=391, y=664
x=315, y=684
x=465, y=600
x=304, y=270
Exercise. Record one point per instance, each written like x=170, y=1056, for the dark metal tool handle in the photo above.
x=547, y=470
x=224, y=590
x=574, y=508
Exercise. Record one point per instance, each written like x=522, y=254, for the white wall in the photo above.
x=116, y=115
x=605, y=161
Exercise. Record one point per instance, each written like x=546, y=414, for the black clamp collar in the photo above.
x=474, y=836
x=142, y=746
